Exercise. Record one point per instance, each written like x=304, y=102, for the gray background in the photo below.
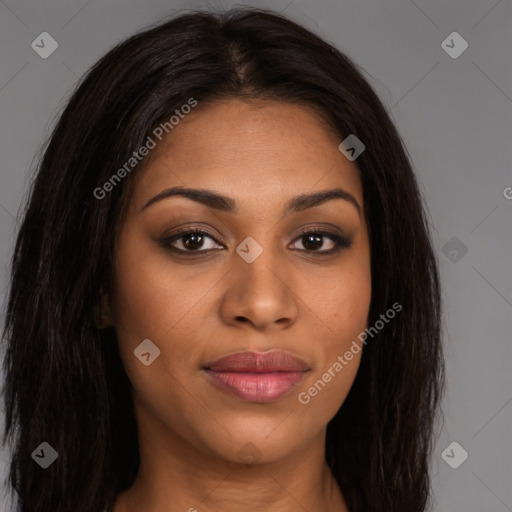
x=454, y=115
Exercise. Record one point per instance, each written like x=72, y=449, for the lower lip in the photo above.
x=256, y=387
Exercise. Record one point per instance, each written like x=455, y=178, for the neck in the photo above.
x=173, y=471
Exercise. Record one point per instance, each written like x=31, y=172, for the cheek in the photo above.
x=324, y=393
x=153, y=294
x=338, y=351
x=339, y=300
x=340, y=310
x=344, y=305
x=156, y=299
x=153, y=301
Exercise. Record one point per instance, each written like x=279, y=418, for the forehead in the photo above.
x=246, y=149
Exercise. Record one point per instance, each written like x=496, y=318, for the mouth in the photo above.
x=257, y=377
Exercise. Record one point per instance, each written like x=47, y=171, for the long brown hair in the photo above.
x=65, y=383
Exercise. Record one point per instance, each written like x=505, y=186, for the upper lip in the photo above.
x=258, y=362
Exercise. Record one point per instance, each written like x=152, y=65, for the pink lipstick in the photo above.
x=257, y=377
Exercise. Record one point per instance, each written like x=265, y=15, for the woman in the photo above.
x=224, y=295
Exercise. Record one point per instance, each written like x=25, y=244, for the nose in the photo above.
x=260, y=294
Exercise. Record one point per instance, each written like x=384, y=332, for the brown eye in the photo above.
x=195, y=241
x=313, y=241
x=190, y=241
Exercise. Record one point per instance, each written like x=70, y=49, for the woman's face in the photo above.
x=252, y=286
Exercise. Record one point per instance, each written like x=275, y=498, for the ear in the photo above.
x=103, y=312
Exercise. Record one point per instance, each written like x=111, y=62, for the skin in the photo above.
x=260, y=154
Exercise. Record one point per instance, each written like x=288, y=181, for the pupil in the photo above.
x=315, y=239
x=196, y=240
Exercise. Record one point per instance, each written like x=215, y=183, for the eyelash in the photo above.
x=339, y=241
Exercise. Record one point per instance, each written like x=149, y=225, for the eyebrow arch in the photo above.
x=226, y=204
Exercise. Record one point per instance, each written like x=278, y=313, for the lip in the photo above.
x=255, y=376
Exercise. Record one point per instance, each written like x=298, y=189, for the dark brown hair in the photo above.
x=65, y=383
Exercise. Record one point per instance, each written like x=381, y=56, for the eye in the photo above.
x=313, y=240
x=191, y=240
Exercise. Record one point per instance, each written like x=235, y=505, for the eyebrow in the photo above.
x=223, y=203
